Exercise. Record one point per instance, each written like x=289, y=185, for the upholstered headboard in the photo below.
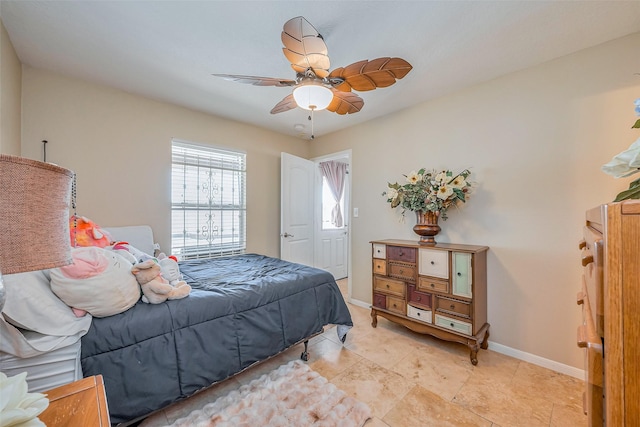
x=138, y=236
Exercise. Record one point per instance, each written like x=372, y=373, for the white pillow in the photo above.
x=32, y=305
x=100, y=282
x=138, y=236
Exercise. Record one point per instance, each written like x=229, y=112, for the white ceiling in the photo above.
x=167, y=50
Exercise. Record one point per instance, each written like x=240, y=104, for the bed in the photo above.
x=242, y=310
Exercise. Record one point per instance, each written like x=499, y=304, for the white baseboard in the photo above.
x=537, y=360
x=518, y=354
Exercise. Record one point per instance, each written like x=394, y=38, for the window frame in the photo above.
x=213, y=167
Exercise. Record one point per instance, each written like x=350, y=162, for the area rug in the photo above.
x=292, y=395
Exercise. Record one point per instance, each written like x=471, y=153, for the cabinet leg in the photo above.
x=485, y=341
x=473, y=350
x=374, y=319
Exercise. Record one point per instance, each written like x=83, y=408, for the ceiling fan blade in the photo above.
x=345, y=103
x=257, y=81
x=368, y=75
x=304, y=47
x=288, y=103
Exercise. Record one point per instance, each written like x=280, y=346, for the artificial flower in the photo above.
x=627, y=163
x=429, y=191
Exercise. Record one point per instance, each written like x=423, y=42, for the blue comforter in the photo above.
x=242, y=309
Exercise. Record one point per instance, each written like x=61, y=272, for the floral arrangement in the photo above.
x=627, y=163
x=429, y=191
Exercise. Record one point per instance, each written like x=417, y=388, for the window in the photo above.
x=208, y=201
x=328, y=206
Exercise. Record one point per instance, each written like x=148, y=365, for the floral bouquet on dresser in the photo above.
x=429, y=194
x=627, y=163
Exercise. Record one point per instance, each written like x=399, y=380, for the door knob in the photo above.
x=287, y=235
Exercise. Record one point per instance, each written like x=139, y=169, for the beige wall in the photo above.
x=535, y=141
x=119, y=145
x=10, y=83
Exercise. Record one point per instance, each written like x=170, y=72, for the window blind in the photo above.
x=208, y=201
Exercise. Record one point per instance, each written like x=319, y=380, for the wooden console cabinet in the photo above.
x=610, y=299
x=440, y=290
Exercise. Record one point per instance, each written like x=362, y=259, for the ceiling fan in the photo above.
x=315, y=88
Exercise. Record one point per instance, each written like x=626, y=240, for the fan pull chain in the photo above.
x=311, y=118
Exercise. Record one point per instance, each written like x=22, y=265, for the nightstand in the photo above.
x=80, y=403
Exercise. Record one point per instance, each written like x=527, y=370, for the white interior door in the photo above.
x=297, y=209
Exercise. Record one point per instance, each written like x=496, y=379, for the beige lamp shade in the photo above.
x=34, y=215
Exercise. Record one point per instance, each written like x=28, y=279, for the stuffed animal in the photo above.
x=132, y=254
x=98, y=282
x=170, y=269
x=84, y=232
x=155, y=289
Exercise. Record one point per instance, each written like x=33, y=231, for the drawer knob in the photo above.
x=586, y=260
x=401, y=271
x=459, y=274
x=451, y=324
x=418, y=299
x=582, y=244
x=418, y=314
x=387, y=286
x=452, y=306
x=401, y=253
x=433, y=263
x=433, y=285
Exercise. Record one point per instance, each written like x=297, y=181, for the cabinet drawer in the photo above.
x=418, y=313
x=453, y=324
x=380, y=267
x=419, y=298
x=432, y=284
x=396, y=305
x=458, y=308
x=402, y=271
x=399, y=253
x=461, y=280
x=379, y=301
x=389, y=286
x=379, y=250
x=434, y=263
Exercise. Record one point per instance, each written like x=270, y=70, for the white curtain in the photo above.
x=335, y=173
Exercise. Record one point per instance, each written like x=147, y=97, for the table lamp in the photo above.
x=34, y=216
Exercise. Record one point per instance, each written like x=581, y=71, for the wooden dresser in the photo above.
x=610, y=299
x=440, y=290
x=80, y=403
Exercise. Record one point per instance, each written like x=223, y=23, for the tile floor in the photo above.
x=408, y=380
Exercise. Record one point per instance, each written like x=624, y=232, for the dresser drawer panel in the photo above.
x=418, y=313
x=456, y=307
x=397, y=305
x=419, y=298
x=380, y=267
x=402, y=271
x=399, y=253
x=389, y=286
x=453, y=324
x=379, y=300
x=379, y=250
x=461, y=275
x=434, y=263
x=432, y=284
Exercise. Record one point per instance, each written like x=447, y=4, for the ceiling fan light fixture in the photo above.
x=312, y=96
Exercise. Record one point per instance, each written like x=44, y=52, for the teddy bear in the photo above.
x=155, y=288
